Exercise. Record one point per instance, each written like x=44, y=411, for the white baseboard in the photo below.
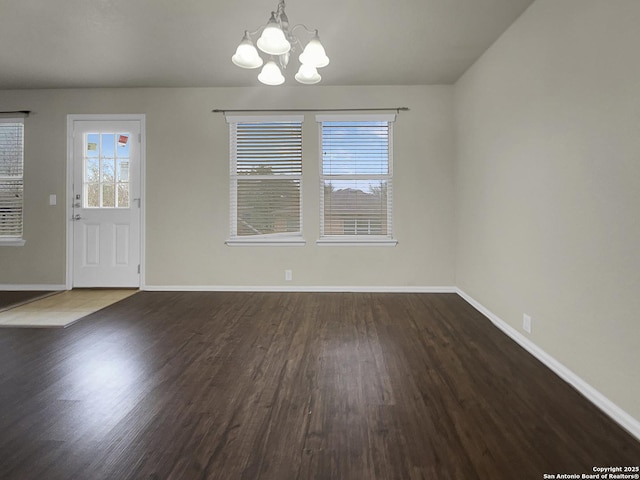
x=298, y=288
x=34, y=287
x=625, y=420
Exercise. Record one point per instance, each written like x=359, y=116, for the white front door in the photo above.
x=106, y=203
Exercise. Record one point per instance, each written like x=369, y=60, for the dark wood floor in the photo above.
x=11, y=298
x=290, y=386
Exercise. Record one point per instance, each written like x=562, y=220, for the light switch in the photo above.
x=53, y=199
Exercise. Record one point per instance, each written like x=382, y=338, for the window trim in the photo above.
x=16, y=241
x=267, y=240
x=12, y=242
x=357, y=240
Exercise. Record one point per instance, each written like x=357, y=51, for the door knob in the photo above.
x=77, y=217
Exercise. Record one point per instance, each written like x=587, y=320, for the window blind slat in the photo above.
x=271, y=203
x=11, y=178
x=356, y=179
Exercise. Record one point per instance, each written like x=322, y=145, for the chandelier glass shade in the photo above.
x=246, y=54
x=308, y=75
x=278, y=42
x=270, y=74
x=314, y=54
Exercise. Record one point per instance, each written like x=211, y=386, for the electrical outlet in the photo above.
x=288, y=275
x=526, y=323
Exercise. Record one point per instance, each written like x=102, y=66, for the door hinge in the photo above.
x=138, y=268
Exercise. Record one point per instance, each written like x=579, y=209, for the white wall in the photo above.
x=187, y=204
x=548, y=186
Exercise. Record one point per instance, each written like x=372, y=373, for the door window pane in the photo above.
x=106, y=170
x=108, y=195
x=92, y=195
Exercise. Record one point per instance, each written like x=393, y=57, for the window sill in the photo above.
x=266, y=242
x=356, y=242
x=12, y=242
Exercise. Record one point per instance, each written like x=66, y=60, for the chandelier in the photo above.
x=278, y=42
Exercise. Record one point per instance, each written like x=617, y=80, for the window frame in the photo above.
x=271, y=239
x=16, y=240
x=357, y=240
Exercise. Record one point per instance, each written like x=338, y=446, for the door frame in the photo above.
x=71, y=118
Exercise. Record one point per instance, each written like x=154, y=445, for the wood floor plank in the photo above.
x=11, y=298
x=271, y=386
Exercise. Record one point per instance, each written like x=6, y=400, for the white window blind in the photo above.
x=356, y=176
x=266, y=177
x=11, y=177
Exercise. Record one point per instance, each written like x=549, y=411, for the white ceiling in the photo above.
x=189, y=43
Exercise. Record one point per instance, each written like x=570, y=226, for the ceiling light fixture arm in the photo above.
x=296, y=39
x=307, y=29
